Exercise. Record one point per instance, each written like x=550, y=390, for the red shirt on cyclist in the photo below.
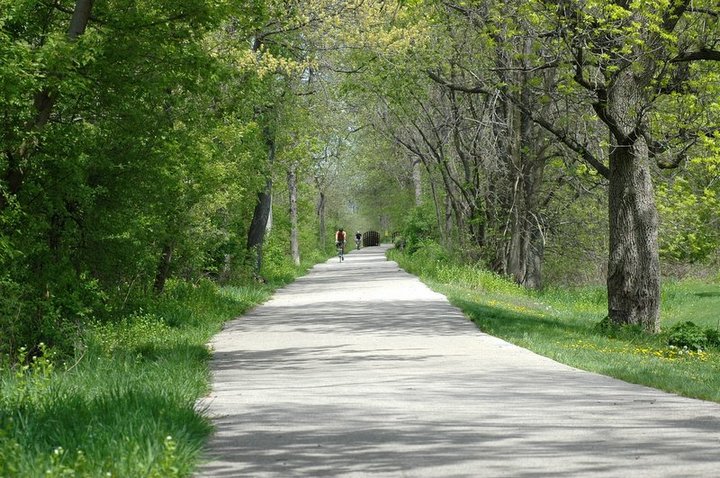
x=340, y=237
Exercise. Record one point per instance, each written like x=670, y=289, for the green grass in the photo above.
x=562, y=324
x=125, y=405
x=691, y=300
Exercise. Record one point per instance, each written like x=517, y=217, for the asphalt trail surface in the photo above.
x=358, y=369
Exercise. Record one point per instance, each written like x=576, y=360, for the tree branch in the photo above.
x=600, y=108
x=465, y=89
x=80, y=18
x=579, y=78
x=564, y=138
x=546, y=66
x=573, y=145
x=701, y=54
x=673, y=14
x=457, y=8
x=706, y=11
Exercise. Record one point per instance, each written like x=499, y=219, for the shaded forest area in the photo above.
x=146, y=142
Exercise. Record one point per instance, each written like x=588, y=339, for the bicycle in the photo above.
x=340, y=250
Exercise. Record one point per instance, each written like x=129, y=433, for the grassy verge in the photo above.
x=563, y=325
x=124, y=406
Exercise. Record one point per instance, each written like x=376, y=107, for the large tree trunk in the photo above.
x=292, y=189
x=634, y=266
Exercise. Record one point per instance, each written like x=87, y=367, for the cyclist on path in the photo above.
x=340, y=238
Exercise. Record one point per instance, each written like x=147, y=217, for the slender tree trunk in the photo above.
x=258, y=226
x=226, y=271
x=526, y=250
x=292, y=188
x=448, y=224
x=417, y=181
x=444, y=238
x=534, y=242
x=322, y=230
x=535, y=257
x=261, y=214
x=163, y=268
x=516, y=256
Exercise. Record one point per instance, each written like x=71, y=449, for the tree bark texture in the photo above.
x=634, y=265
x=322, y=230
x=80, y=18
x=535, y=257
x=518, y=128
x=525, y=167
x=527, y=246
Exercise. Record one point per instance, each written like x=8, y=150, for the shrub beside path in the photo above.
x=358, y=369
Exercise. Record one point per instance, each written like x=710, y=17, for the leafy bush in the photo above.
x=428, y=251
x=713, y=337
x=687, y=334
x=277, y=264
x=419, y=227
x=10, y=449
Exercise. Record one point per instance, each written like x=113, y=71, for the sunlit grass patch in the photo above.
x=124, y=406
x=563, y=324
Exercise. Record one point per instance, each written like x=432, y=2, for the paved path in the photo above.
x=360, y=370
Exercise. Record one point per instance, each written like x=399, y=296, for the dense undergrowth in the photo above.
x=566, y=324
x=124, y=404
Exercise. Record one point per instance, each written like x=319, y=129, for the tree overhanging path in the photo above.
x=358, y=369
